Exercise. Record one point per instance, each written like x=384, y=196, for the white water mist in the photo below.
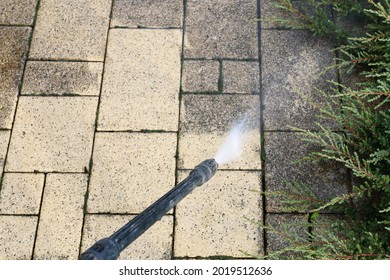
x=231, y=148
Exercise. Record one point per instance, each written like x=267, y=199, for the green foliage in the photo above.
x=361, y=144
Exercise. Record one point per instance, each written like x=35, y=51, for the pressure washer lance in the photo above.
x=109, y=248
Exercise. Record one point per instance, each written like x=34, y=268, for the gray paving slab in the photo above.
x=211, y=220
x=4, y=141
x=147, y=13
x=241, y=76
x=206, y=121
x=130, y=171
x=292, y=61
x=13, y=49
x=221, y=29
x=62, y=78
x=284, y=152
x=154, y=244
x=21, y=193
x=17, y=234
x=61, y=218
x=200, y=76
x=73, y=29
x=141, y=81
x=17, y=12
x=52, y=134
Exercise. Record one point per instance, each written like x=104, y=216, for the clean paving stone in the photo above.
x=21, y=193
x=141, y=80
x=292, y=62
x=221, y=29
x=17, y=234
x=200, y=76
x=154, y=244
x=131, y=171
x=211, y=220
x=241, y=77
x=61, y=219
x=4, y=140
x=284, y=153
x=52, y=134
x=206, y=121
x=62, y=78
x=13, y=49
x=17, y=12
x=73, y=30
x=147, y=13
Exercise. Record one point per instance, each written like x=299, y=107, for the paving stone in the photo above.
x=130, y=171
x=62, y=78
x=241, y=76
x=284, y=153
x=17, y=235
x=52, y=134
x=291, y=228
x=141, y=80
x=4, y=139
x=210, y=221
x=71, y=29
x=221, y=29
x=154, y=244
x=147, y=13
x=17, y=12
x=200, y=75
x=292, y=61
x=21, y=193
x=205, y=123
x=13, y=48
x=61, y=219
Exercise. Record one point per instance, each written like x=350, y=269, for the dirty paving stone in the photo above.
x=21, y=193
x=62, y=78
x=17, y=234
x=13, y=48
x=212, y=217
x=131, y=171
x=147, y=13
x=17, y=12
x=284, y=152
x=60, y=222
x=221, y=29
x=241, y=77
x=52, y=134
x=4, y=140
x=154, y=244
x=141, y=81
x=200, y=76
x=292, y=62
x=206, y=121
x=73, y=29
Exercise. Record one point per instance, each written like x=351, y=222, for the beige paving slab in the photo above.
x=17, y=237
x=210, y=221
x=61, y=219
x=200, y=75
x=21, y=193
x=147, y=13
x=154, y=244
x=141, y=80
x=62, y=78
x=241, y=76
x=130, y=171
x=17, y=12
x=4, y=139
x=206, y=121
x=13, y=48
x=73, y=29
x=52, y=134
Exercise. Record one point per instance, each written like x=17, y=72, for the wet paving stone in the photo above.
x=241, y=77
x=13, y=49
x=200, y=76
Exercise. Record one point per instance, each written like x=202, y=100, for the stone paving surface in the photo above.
x=105, y=105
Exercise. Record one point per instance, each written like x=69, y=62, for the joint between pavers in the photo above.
x=146, y=27
x=64, y=60
x=39, y=216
